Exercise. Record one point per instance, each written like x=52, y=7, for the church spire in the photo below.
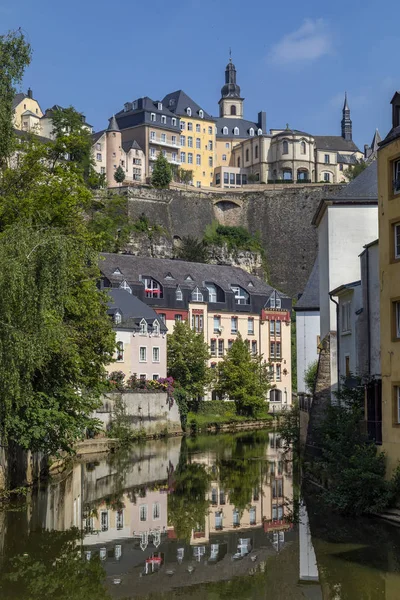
x=347, y=125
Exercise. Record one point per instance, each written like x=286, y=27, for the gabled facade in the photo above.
x=141, y=343
x=219, y=302
x=27, y=112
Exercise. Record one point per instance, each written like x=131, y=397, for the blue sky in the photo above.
x=294, y=60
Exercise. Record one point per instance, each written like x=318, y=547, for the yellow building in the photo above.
x=389, y=271
x=27, y=112
x=197, y=140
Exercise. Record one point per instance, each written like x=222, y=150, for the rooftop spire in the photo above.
x=113, y=125
x=345, y=105
x=347, y=125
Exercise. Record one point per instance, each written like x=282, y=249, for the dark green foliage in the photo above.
x=52, y=566
x=121, y=424
x=310, y=376
x=193, y=250
x=162, y=174
x=15, y=56
x=252, y=178
x=235, y=238
x=183, y=175
x=119, y=174
x=289, y=427
x=244, y=378
x=187, y=356
x=354, y=170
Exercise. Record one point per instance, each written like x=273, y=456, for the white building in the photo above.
x=345, y=223
x=307, y=327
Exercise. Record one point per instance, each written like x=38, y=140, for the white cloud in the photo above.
x=311, y=41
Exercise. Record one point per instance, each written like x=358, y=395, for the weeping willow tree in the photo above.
x=55, y=336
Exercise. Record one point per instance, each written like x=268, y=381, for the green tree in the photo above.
x=162, y=174
x=354, y=170
x=15, y=56
x=193, y=250
x=187, y=356
x=310, y=376
x=184, y=175
x=119, y=175
x=244, y=378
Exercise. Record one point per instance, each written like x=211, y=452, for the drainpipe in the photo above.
x=337, y=337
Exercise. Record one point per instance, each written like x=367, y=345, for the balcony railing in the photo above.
x=161, y=142
x=173, y=161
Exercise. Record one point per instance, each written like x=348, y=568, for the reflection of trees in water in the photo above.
x=48, y=566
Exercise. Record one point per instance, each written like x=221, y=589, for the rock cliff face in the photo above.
x=281, y=217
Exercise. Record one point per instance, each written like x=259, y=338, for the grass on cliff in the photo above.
x=235, y=238
x=216, y=413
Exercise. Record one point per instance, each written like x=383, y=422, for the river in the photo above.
x=213, y=517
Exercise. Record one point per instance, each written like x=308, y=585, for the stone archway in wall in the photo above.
x=229, y=212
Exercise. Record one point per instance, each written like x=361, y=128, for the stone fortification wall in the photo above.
x=151, y=411
x=282, y=217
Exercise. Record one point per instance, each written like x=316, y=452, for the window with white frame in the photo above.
x=104, y=520
x=396, y=176
x=201, y=114
x=225, y=131
x=173, y=121
x=152, y=152
x=143, y=327
x=259, y=131
x=198, y=159
x=143, y=512
x=346, y=316
x=254, y=347
x=183, y=125
x=220, y=348
x=252, y=515
x=183, y=140
x=156, y=355
x=156, y=328
x=272, y=349
x=190, y=158
x=278, y=350
x=98, y=156
x=120, y=351
x=326, y=159
x=142, y=354
x=327, y=176
x=152, y=135
x=198, y=143
x=210, y=145
x=190, y=141
x=163, y=119
x=234, y=324
x=159, y=105
x=198, y=128
x=241, y=296
x=173, y=139
x=155, y=376
x=98, y=146
x=183, y=157
x=250, y=326
x=189, y=111
x=190, y=126
x=119, y=519
x=236, y=518
x=152, y=288
x=212, y=292
x=152, y=117
x=210, y=130
x=213, y=347
x=272, y=328
x=178, y=294
x=174, y=156
x=217, y=323
x=124, y=286
x=236, y=131
x=224, y=157
x=117, y=551
x=117, y=318
x=397, y=319
x=278, y=328
x=197, y=296
x=156, y=510
x=278, y=372
x=163, y=137
x=396, y=229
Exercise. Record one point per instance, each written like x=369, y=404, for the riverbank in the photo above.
x=219, y=415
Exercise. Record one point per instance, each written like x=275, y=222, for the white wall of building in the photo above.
x=348, y=337
x=307, y=334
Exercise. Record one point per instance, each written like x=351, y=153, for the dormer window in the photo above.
x=188, y=278
x=152, y=288
x=173, y=121
x=153, y=117
x=163, y=119
x=197, y=296
x=156, y=328
x=124, y=286
x=259, y=132
x=212, y=292
x=241, y=296
x=189, y=111
x=275, y=300
x=178, y=294
x=250, y=284
x=117, y=318
x=201, y=114
x=168, y=276
x=236, y=131
x=159, y=105
x=251, y=131
x=117, y=271
x=143, y=327
x=225, y=131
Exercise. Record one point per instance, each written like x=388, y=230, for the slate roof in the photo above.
x=132, y=267
x=292, y=132
x=347, y=159
x=131, y=309
x=18, y=98
x=243, y=125
x=362, y=190
x=96, y=136
x=310, y=297
x=29, y=112
x=20, y=133
x=393, y=134
x=177, y=102
x=130, y=145
x=334, y=143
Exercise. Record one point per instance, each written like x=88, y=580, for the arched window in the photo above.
x=233, y=109
x=259, y=131
x=251, y=131
x=247, y=155
x=189, y=111
x=201, y=114
x=287, y=174
x=225, y=131
x=120, y=351
x=238, y=161
x=302, y=148
x=156, y=328
x=275, y=395
x=241, y=296
x=285, y=147
x=143, y=327
x=236, y=131
x=212, y=292
x=256, y=152
x=152, y=288
x=197, y=296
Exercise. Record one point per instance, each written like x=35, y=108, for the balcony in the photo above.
x=160, y=142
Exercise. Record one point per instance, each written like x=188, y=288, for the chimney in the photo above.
x=366, y=148
x=30, y=94
x=262, y=121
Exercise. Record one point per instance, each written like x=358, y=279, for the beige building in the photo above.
x=27, y=112
x=141, y=342
x=219, y=302
x=389, y=277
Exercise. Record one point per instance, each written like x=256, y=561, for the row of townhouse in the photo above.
x=352, y=298
x=227, y=151
x=219, y=302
